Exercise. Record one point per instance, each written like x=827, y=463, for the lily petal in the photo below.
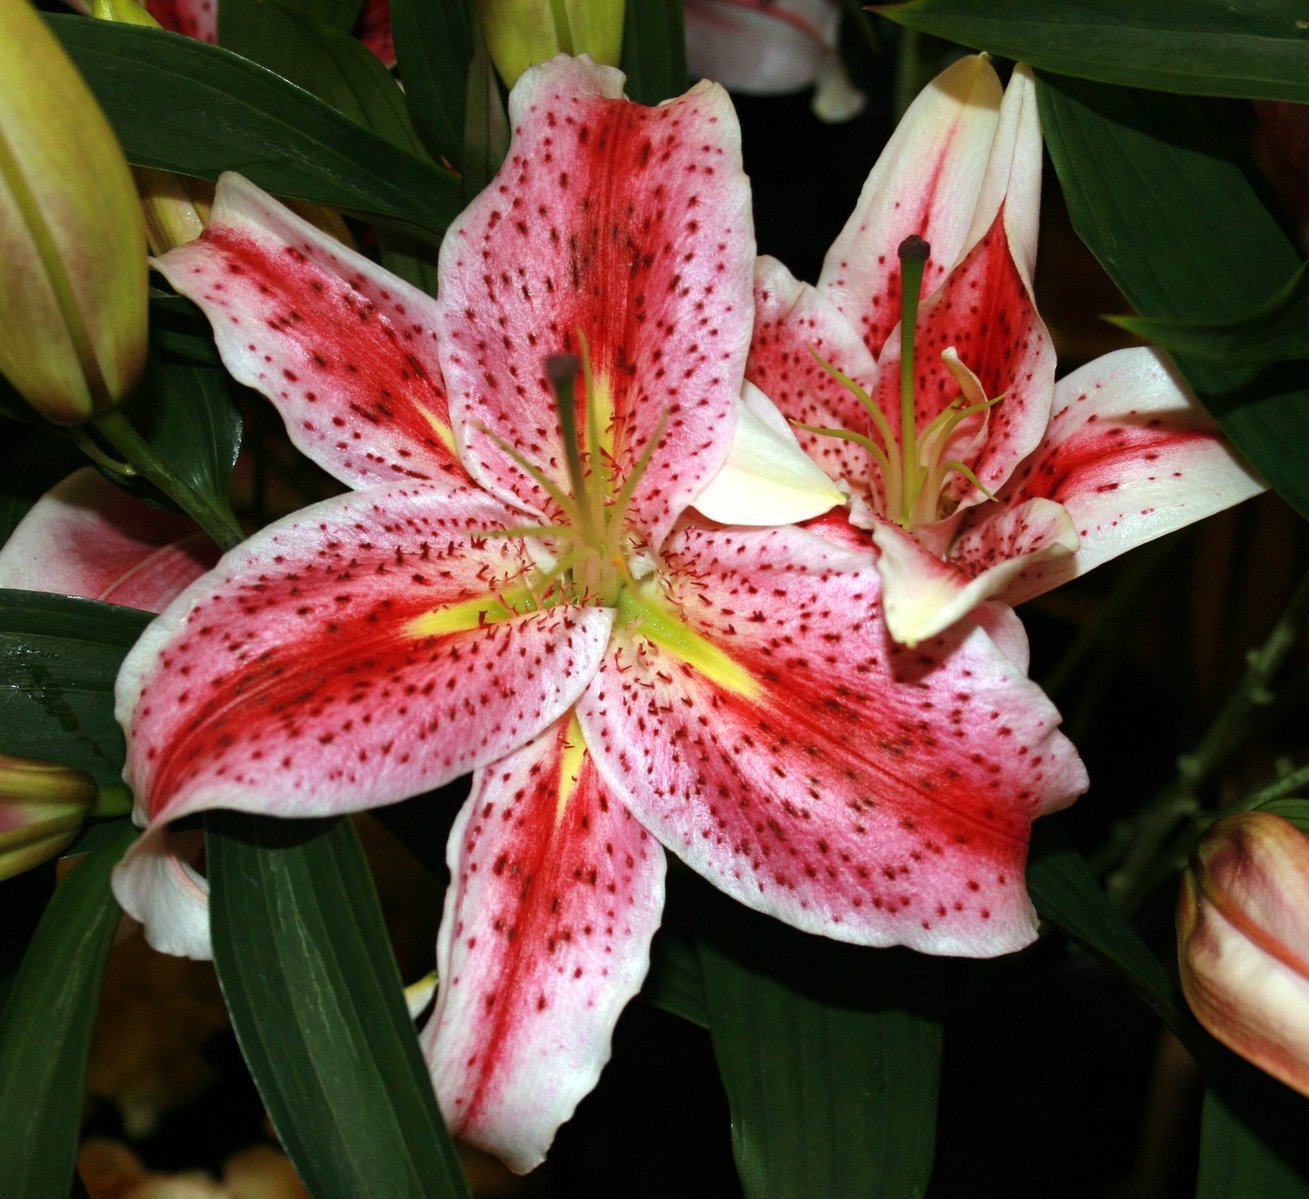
x=760, y=48
x=87, y=537
x=345, y=350
x=767, y=478
x=157, y=884
x=813, y=770
x=926, y=182
x=924, y=594
x=1132, y=456
x=358, y=652
x=557, y=892
x=624, y=225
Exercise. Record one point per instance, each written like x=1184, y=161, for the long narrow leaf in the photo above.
x=654, y=50
x=1252, y=1142
x=315, y=998
x=433, y=46
x=829, y=1060
x=1203, y=47
x=45, y=1029
x=180, y=105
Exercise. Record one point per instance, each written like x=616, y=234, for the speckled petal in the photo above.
x=87, y=537
x=344, y=349
x=985, y=313
x=157, y=884
x=545, y=937
x=629, y=226
x=1132, y=456
x=926, y=182
x=353, y=654
x=923, y=594
x=195, y=18
x=852, y=788
x=793, y=322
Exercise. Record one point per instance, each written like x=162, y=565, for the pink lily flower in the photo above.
x=975, y=475
x=516, y=586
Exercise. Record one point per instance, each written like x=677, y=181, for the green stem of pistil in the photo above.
x=562, y=369
x=221, y=525
x=913, y=253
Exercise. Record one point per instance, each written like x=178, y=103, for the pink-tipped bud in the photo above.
x=42, y=806
x=1243, y=941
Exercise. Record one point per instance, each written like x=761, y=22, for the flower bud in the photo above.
x=1243, y=941
x=73, y=290
x=520, y=33
x=42, y=805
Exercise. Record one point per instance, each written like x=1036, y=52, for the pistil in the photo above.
x=913, y=253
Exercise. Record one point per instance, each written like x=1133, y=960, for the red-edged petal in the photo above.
x=373, y=28
x=1132, y=456
x=337, y=661
x=557, y=892
x=631, y=227
x=923, y=594
x=345, y=350
x=926, y=182
x=793, y=322
x=850, y=787
x=985, y=313
x=87, y=537
x=157, y=884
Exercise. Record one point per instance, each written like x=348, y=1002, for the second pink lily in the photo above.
x=973, y=473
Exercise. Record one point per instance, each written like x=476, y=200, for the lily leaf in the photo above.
x=179, y=105
x=1067, y=894
x=654, y=50
x=45, y=1029
x=324, y=60
x=235, y=20
x=1259, y=48
x=433, y=46
x=316, y=1001
x=1277, y=331
x=59, y=657
x=39, y=459
x=1155, y=189
x=1252, y=1142
x=829, y=1061
x=486, y=124
x=675, y=982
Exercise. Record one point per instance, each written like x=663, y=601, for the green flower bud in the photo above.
x=72, y=238
x=42, y=806
x=521, y=33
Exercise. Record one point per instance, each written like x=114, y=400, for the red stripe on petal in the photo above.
x=870, y=793
x=631, y=227
x=345, y=350
x=557, y=892
x=293, y=679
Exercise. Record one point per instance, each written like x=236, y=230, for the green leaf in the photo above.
x=654, y=50
x=45, y=1029
x=1277, y=331
x=186, y=415
x=323, y=60
x=238, y=19
x=179, y=105
x=675, y=982
x=829, y=1058
x=59, y=657
x=316, y=1002
x=1203, y=47
x=486, y=125
x=37, y=460
x=1252, y=1142
x=1158, y=192
x=433, y=46
x=1067, y=894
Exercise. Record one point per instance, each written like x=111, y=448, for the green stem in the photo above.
x=133, y=448
x=113, y=800
x=1179, y=801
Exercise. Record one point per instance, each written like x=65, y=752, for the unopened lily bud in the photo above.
x=72, y=240
x=42, y=806
x=1243, y=941
x=521, y=33
x=125, y=12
